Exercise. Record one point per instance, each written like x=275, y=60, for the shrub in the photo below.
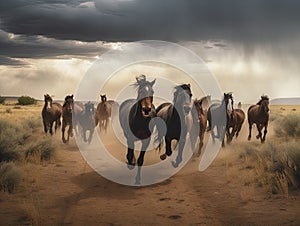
x=10, y=177
x=10, y=138
x=43, y=149
x=2, y=100
x=26, y=100
x=288, y=126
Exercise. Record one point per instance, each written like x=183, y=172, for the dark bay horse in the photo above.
x=103, y=112
x=259, y=114
x=67, y=117
x=135, y=116
x=51, y=113
x=202, y=119
x=175, y=117
x=236, y=119
x=86, y=121
x=217, y=117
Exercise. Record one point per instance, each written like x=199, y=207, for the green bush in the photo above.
x=2, y=100
x=10, y=177
x=26, y=100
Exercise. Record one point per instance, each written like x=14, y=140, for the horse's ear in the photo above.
x=72, y=95
x=189, y=85
x=152, y=83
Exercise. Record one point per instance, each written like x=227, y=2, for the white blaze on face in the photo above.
x=48, y=105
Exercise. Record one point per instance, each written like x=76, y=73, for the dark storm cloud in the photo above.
x=12, y=62
x=174, y=20
x=22, y=46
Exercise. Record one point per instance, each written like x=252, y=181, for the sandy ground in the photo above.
x=67, y=191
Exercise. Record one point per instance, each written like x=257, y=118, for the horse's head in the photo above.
x=145, y=95
x=69, y=103
x=103, y=98
x=265, y=105
x=182, y=98
x=89, y=108
x=228, y=99
x=198, y=106
x=48, y=101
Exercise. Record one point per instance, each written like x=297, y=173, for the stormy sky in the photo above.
x=252, y=46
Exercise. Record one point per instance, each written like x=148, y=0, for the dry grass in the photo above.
x=274, y=165
x=22, y=139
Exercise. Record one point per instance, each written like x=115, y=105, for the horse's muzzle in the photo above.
x=187, y=109
x=146, y=111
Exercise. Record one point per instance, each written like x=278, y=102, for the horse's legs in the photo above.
x=91, y=135
x=181, y=144
x=265, y=133
x=145, y=144
x=70, y=131
x=45, y=127
x=130, y=153
x=63, y=131
x=259, y=128
x=51, y=129
x=168, y=151
x=250, y=128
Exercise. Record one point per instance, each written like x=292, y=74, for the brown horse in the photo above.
x=67, y=117
x=202, y=119
x=103, y=112
x=51, y=113
x=259, y=114
x=236, y=119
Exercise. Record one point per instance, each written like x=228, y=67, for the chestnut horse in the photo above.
x=259, y=114
x=103, y=113
x=202, y=119
x=175, y=115
x=235, y=121
x=67, y=117
x=51, y=113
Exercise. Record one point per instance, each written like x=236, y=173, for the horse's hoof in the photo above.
x=257, y=137
x=130, y=166
x=175, y=164
x=249, y=138
x=163, y=156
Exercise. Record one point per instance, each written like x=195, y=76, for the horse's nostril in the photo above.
x=146, y=111
x=186, y=108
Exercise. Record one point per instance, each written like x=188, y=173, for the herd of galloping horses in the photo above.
x=178, y=117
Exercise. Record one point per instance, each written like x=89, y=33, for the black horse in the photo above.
x=217, y=117
x=175, y=117
x=87, y=122
x=135, y=116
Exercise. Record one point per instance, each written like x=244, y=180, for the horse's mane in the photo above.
x=178, y=89
x=66, y=99
x=264, y=97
